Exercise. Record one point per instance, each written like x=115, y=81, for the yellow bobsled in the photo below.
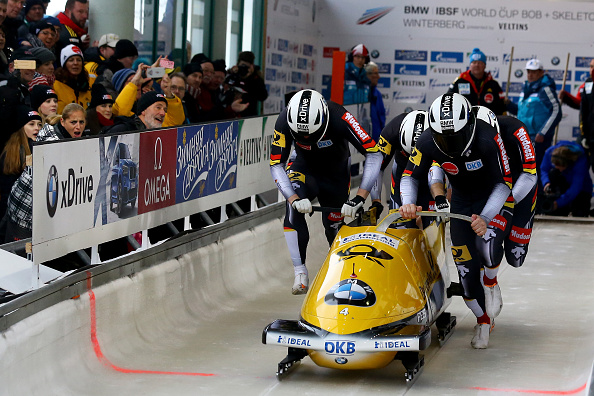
x=374, y=300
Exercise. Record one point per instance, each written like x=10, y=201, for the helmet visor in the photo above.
x=454, y=144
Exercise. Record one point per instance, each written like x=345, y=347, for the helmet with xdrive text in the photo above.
x=452, y=124
x=411, y=128
x=307, y=116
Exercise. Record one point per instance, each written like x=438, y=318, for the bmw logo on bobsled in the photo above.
x=374, y=300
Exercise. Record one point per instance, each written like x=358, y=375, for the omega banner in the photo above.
x=92, y=190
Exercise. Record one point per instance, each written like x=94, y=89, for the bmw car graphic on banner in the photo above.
x=122, y=182
x=206, y=160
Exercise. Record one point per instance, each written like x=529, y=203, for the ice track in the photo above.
x=192, y=325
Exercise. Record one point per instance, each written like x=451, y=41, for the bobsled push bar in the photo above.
x=392, y=217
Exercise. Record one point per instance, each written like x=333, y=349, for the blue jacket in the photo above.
x=378, y=113
x=577, y=175
x=539, y=108
x=356, y=84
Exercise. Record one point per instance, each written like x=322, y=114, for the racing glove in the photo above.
x=442, y=204
x=379, y=208
x=302, y=205
x=350, y=208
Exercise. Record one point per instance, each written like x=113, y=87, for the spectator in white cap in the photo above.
x=98, y=55
x=73, y=84
x=539, y=109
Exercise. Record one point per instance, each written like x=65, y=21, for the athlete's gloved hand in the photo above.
x=379, y=208
x=584, y=143
x=350, y=208
x=442, y=204
x=302, y=205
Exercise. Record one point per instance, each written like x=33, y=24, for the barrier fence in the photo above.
x=92, y=190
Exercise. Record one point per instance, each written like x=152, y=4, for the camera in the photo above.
x=548, y=200
x=548, y=203
x=243, y=70
x=153, y=72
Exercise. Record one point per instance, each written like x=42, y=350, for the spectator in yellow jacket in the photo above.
x=126, y=101
x=73, y=84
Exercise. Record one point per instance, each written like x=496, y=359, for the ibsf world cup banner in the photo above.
x=206, y=160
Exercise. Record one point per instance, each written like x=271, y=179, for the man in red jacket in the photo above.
x=74, y=18
x=478, y=86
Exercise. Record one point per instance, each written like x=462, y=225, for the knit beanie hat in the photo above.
x=22, y=53
x=43, y=55
x=24, y=115
x=360, y=49
x=30, y=3
x=147, y=99
x=246, y=56
x=192, y=67
x=37, y=27
x=478, y=55
x=219, y=65
x=140, y=60
x=99, y=96
x=200, y=59
x=68, y=52
x=41, y=93
x=119, y=78
x=53, y=20
x=125, y=48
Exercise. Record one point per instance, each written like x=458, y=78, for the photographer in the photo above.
x=252, y=83
x=566, y=180
x=230, y=97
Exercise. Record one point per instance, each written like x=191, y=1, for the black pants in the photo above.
x=471, y=252
x=331, y=189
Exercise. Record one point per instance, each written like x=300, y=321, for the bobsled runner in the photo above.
x=374, y=300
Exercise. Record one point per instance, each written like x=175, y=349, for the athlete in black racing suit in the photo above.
x=321, y=168
x=474, y=157
x=522, y=161
x=397, y=140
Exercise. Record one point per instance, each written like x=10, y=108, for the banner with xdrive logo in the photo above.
x=89, y=191
x=70, y=186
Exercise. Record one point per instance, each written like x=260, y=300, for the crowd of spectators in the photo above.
x=538, y=107
x=63, y=84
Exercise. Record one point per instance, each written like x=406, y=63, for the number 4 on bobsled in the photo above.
x=374, y=300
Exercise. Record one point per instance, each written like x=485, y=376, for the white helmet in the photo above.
x=307, y=115
x=485, y=114
x=452, y=124
x=411, y=128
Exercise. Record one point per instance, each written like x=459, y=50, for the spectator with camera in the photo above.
x=249, y=76
x=566, y=180
x=230, y=97
x=147, y=113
